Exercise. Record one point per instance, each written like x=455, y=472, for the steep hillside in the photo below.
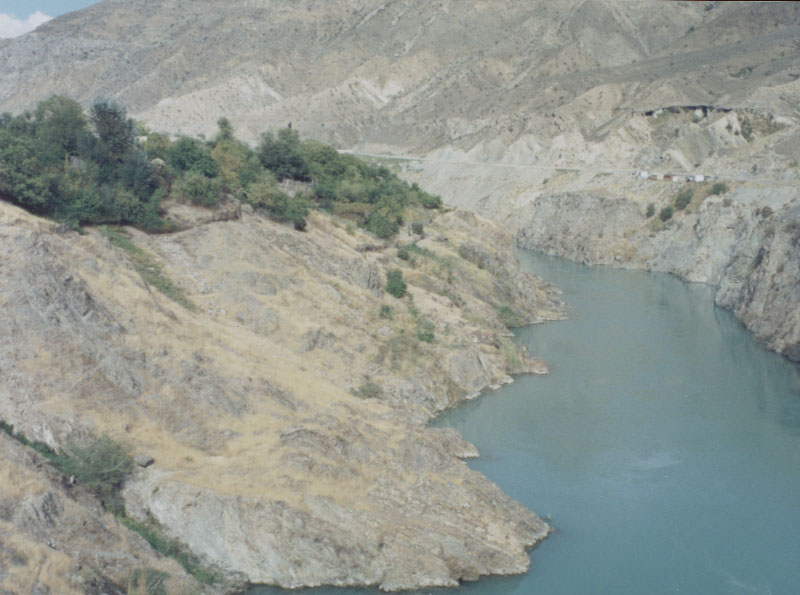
x=407, y=73
x=284, y=403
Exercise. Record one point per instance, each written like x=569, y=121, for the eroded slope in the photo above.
x=266, y=463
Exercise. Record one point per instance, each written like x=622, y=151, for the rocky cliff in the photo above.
x=744, y=242
x=284, y=402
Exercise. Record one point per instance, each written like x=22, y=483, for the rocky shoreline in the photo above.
x=276, y=458
x=743, y=242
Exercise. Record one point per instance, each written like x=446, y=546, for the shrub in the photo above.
x=651, y=210
x=147, y=581
x=666, y=213
x=395, y=285
x=197, y=189
x=189, y=154
x=386, y=311
x=172, y=548
x=381, y=226
x=101, y=465
x=283, y=155
x=403, y=253
x=509, y=317
x=369, y=390
x=426, y=331
x=719, y=188
x=417, y=229
x=684, y=198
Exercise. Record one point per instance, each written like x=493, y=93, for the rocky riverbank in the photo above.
x=282, y=393
x=743, y=242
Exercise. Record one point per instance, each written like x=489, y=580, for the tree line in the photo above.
x=103, y=167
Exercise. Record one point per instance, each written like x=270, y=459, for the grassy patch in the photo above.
x=511, y=359
x=510, y=317
x=172, y=548
x=147, y=581
x=146, y=265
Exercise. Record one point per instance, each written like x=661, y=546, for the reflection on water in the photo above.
x=665, y=444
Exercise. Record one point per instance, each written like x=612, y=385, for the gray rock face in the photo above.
x=749, y=251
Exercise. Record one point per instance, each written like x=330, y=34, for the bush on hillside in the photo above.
x=684, y=198
x=395, y=285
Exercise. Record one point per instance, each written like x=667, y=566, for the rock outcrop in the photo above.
x=744, y=242
x=55, y=537
x=266, y=454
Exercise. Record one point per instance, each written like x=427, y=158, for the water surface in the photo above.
x=664, y=444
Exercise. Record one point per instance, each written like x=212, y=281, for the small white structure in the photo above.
x=698, y=177
x=642, y=175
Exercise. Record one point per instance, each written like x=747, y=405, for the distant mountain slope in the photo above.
x=407, y=73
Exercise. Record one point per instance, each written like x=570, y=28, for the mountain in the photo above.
x=406, y=73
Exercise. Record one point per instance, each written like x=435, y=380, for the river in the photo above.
x=664, y=445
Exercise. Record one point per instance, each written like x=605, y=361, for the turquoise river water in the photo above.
x=664, y=444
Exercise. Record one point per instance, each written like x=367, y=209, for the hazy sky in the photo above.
x=20, y=16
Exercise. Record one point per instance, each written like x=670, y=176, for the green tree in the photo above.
x=224, y=131
x=198, y=189
x=137, y=174
x=22, y=179
x=59, y=123
x=283, y=155
x=101, y=465
x=113, y=126
x=189, y=154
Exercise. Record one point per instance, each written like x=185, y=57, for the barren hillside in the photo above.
x=407, y=73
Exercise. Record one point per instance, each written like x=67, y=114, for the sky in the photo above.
x=17, y=17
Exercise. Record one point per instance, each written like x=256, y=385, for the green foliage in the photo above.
x=417, y=228
x=666, y=213
x=147, y=581
x=101, y=465
x=403, y=253
x=683, y=199
x=395, y=285
x=386, y=311
x=137, y=174
x=23, y=179
x=147, y=266
x=369, y=390
x=651, y=210
x=197, y=189
x=746, y=126
x=190, y=155
x=511, y=357
x=39, y=447
x=509, y=317
x=60, y=122
x=381, y=226
x=112, y=126
x=264, y=194
x=426, y=331
x=53, y=163
x=719, y=188
x=224, y=131
x=283, y=155
x=172, y=548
